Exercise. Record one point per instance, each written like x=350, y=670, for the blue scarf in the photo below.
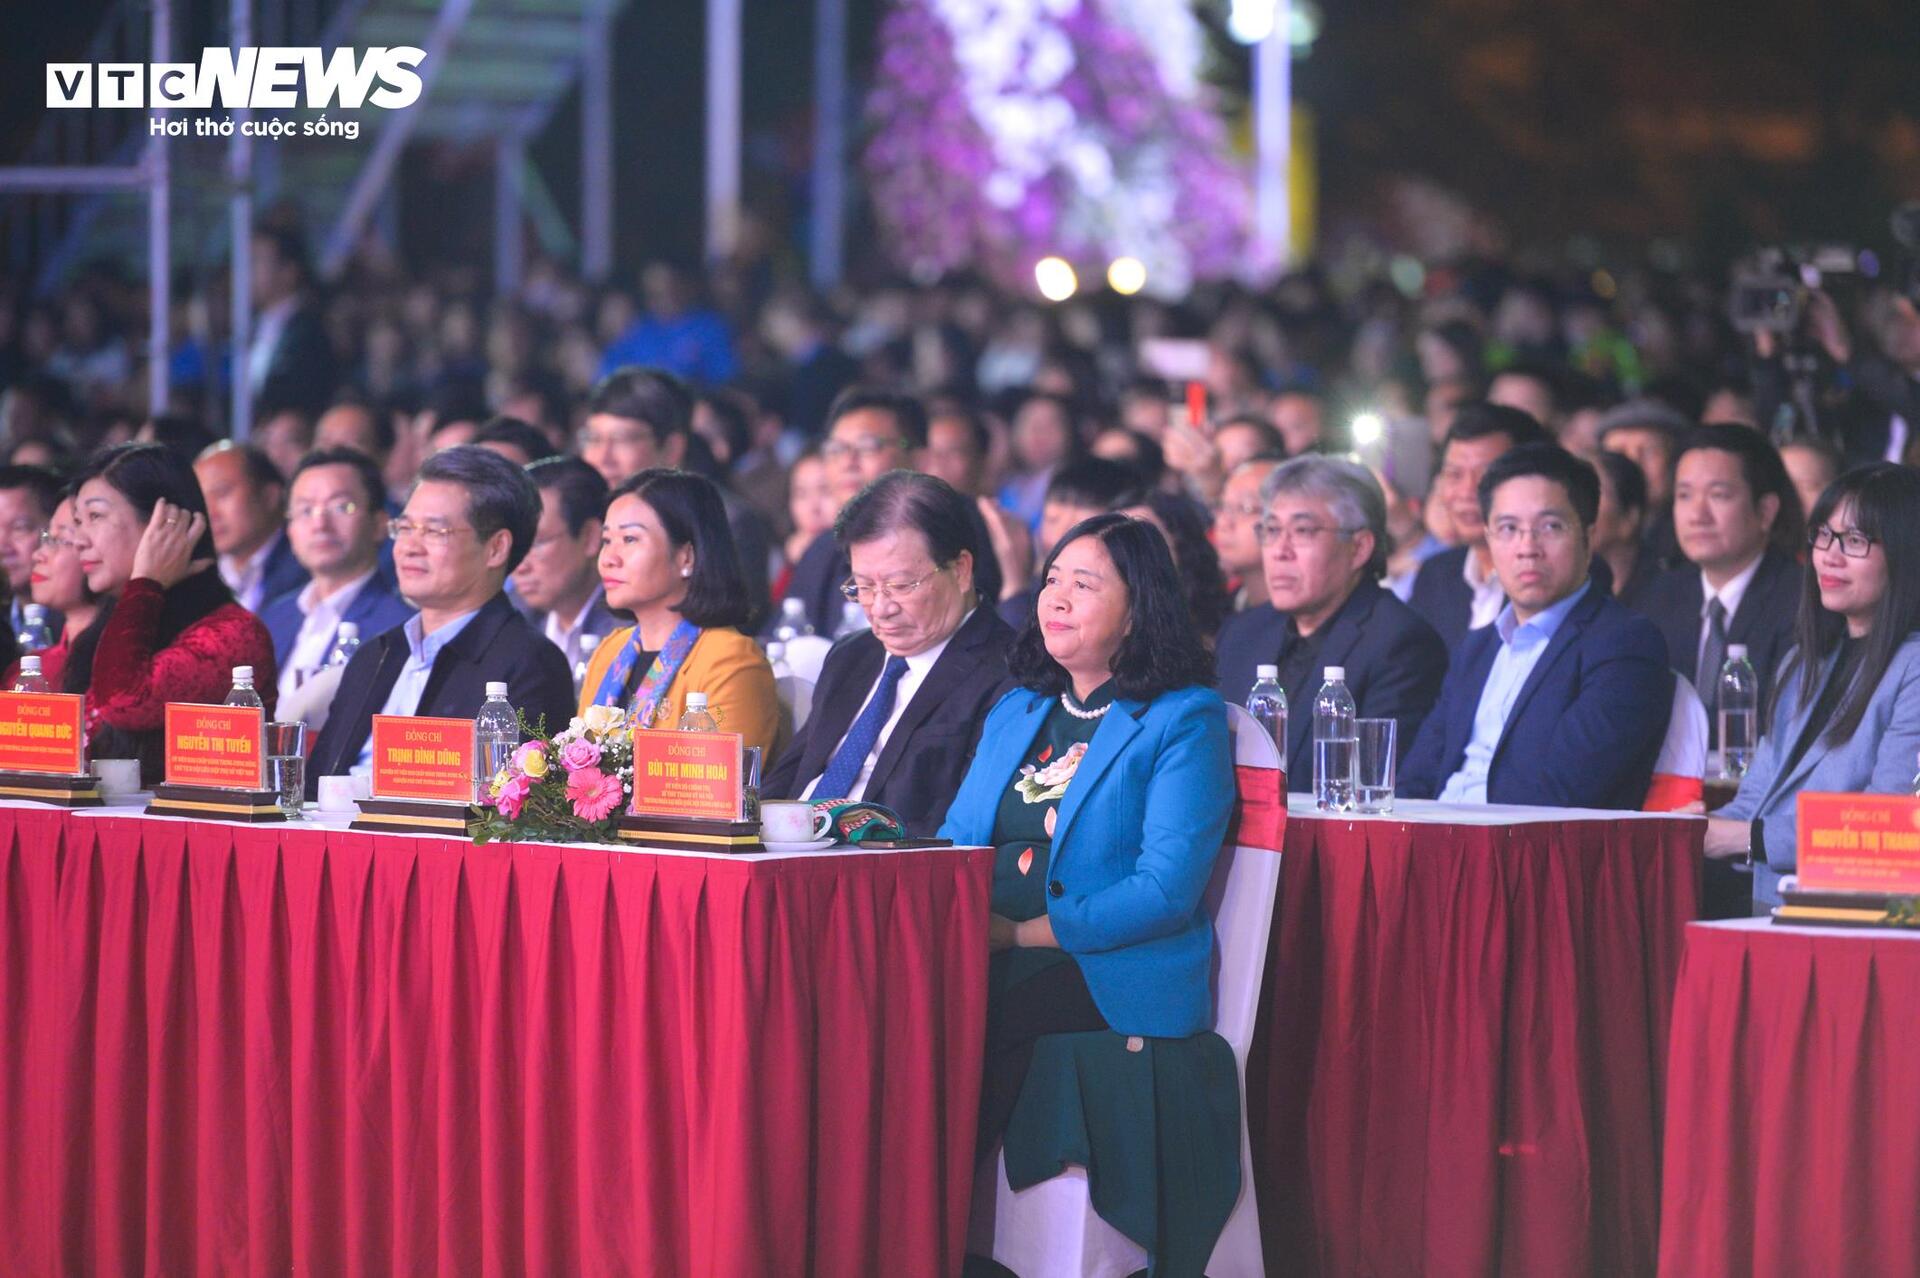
x=659, y=677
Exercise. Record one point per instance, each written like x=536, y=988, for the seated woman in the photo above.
x=173, y=631
x=1105, y=781
x=58, y=583
x=667, y=557
x=1846, y=715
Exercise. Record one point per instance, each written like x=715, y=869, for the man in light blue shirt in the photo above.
x=1521, y=646
x=422, y=651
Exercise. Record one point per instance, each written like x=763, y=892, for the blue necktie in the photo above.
x=844, y=767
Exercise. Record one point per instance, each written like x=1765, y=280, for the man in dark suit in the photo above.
x=1457, y=590
x=1564, y=700
x=246, y=504
x=1738, y=521
x=898, y=708
x=467, y=524
x=290, y=360
x=1323, y=546
x=558, y=583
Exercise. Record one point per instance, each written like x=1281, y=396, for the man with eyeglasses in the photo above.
x=28, y=496
x=1323, y=545
x=245, y=493
x=898, y=708
x=337, y=528
x=468, y=523
x=1236, y=524
x=1564, y=700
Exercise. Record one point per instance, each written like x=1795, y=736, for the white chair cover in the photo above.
x=796, y=704
x=806, y=654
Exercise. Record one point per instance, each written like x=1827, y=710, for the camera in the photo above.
x=1770, y=289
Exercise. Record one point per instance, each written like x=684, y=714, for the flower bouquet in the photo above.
x=568, y=788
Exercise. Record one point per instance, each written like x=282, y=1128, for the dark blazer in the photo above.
x=927, y=753
x=301, y=371
x=496, y=645
x=283, y=573
x=376, y=609
x=823, y=568
x=1393, y=658
x=1763, y=622
x=1441, y=597
x=1585, y=728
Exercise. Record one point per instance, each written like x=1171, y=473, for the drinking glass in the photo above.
x=1374, y=771
x=287, y=764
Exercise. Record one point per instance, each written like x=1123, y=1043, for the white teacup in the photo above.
x=792, y=821
x=118, y=777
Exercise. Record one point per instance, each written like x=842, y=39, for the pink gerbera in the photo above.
x=595, y=795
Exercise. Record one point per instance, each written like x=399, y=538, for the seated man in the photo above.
x=467, y=524
x=559, y=580
x=1323, y=541
x=245, y=498
x=1564, y=700
x=898, y=708
x=337, y=527
x=1078, y=490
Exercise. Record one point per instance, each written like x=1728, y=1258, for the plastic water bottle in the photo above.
x=777, y=658
x=35, y=634
x=697, y=718
x=853, y=619
x=346, y=642
x=1739, y=712
x=586, y=646
x=793, y=621
x=1336, y=744
x=30, y=680
x=496, y=736
x=1267, y=703
x=243, y=693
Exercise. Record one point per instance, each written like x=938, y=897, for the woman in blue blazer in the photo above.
x=1846, y=716
x=1105, y=781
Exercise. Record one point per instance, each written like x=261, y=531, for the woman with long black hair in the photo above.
x=1846, y=714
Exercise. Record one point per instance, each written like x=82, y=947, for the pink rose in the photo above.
x=577, y=755
x=595, y=795
x=513, y=795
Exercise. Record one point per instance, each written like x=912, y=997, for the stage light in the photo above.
x=1250, y=21
x=1055, y=278
x=1127, y=275
x=1368, y=428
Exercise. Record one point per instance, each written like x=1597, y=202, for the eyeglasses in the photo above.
x=1854, y=544
x=435, y=535
x=53, y=541
x=625, y=438
x=339, y=508
x=869, y=447
x=898, y=591
x=1271, y=532
x=1548, y=532
x=1238, y=509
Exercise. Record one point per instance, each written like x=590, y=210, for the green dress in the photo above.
x=1155, y=1121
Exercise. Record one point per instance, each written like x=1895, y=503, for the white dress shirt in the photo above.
x=318, y=629
x=1521, y=647
x=565, y=634
x=248, y=581
x=412, y=683
x=917, y=667
x=1488, y=594
x=1729, y=596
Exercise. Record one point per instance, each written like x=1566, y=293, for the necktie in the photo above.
x=1713, y=655
x=844, y=767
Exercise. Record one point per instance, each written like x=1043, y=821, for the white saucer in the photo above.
x=807, y=845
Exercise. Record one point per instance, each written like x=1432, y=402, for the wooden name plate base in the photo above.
x=216, y=804
x=411, y=816
x=683, y=834
x=64, y=791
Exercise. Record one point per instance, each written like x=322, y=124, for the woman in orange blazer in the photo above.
x=667, y=557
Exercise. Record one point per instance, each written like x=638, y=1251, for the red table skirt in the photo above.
x=1793, y=1146
x=233, y=1050
x=1459, y=1065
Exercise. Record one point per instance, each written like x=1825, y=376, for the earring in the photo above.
x=686, y=572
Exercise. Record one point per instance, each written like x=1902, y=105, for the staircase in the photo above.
x=495, y=72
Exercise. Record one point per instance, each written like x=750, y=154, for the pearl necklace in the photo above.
x=1066, y=703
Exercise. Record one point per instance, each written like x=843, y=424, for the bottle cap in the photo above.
x=776, y=650
x=791, y=606
x=29, y=665
x=1266, y=672
x=589, y=643
x=1736, y=652
x=496, y=690
x=1335, y=674
x=349, y=630
x=243, y=672
x=696, y=701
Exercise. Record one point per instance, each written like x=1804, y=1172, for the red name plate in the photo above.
x=1858, y=843
x=216, y=746
x=687, y=774
x=416, y=758
x=40, y=732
